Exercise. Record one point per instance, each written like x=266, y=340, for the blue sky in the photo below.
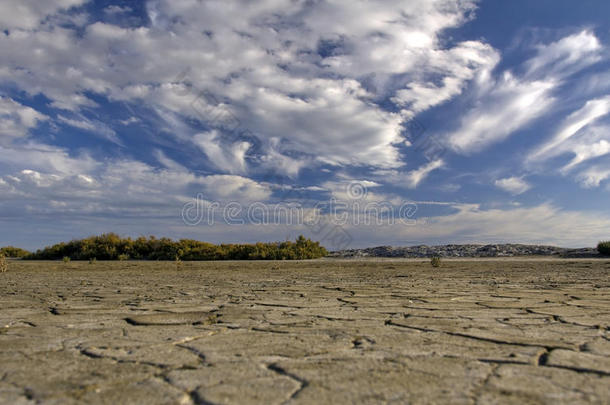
x=490, y=119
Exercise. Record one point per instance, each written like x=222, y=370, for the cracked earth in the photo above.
x=329, y=331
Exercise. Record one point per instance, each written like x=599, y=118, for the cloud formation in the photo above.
x=308, y=74
x=507, y=102
x=16, y=120
x=513, y=185
x=583, y=135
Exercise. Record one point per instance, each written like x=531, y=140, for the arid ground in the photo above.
x=327, y=331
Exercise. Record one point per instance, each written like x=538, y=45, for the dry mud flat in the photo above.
x=309, y=332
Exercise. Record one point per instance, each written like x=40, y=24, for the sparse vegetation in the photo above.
x=113, y=247
x=604, y=248
x=14, y=252
x=66, y=259
x=212, y=319
x=3, y=263
x=92, y=260
x=435, y=261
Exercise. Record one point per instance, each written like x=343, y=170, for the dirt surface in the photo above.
x=504, y=331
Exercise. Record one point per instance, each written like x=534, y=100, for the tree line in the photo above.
x=111, y=246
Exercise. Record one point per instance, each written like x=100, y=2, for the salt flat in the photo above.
x=327, y=331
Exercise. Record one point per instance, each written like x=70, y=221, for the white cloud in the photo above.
x=586, y=152
x=408, y=179
x=274, y=159
x=117, y=10
x=572, y=125
x=350, y=190
x=44, y=158
x=235, y=188
x=93, y=126
x=229, y=158
x=28, y=14
x=541, y=224
x=413, y=178
x=130, y=120
x=16, y=120
x=310, y=74
x=169, y=163
x=513, y=185
x=509, y=103
x=334, y=123
x=583, y=135
x=458, y=65
x=118, y=187
x=565, y=56
x=594, y=176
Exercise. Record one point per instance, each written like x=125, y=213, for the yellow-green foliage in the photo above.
x=604, y=248
x=435, y=261
x=66, y=259
x=11, y=251
x=113, y=247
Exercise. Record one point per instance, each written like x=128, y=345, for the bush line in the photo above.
x=112, y=247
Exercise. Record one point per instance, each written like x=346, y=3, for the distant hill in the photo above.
x=470, y=250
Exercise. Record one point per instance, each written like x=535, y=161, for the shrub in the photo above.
x=93, y=260
x=435, y=261
x=3, y=264
x=66, y=259
x=604, y=248
x=11, y=251
x=112, y=247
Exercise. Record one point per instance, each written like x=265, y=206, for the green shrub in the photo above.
x=435, y=261
x=604, y=248
x=66, y=259
x=3, y=263
x=93, y=260
x=11, y=251
x=112, y=247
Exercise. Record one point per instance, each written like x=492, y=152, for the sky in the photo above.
x=379, y=122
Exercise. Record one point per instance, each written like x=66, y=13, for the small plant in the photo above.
x=178, y=262
x=66, y=259
x=212, y=319
x=92, y=260
x=604, y=248
x=123, y=257
x=3, y=264
x=435, y=261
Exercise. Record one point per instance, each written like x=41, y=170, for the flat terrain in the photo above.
x=328, y=331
